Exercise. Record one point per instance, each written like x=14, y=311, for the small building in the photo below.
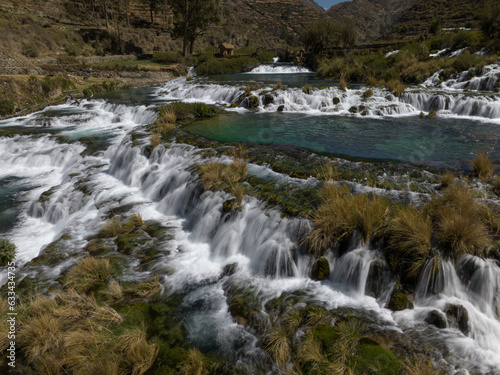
x=226, y=49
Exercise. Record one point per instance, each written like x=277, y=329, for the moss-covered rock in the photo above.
x=458, y=316
x=281, y=108
x=375, y=359
x=436, y=319
x=399, y=301
x=251, y=102
x=336, y=100
x=321, y=269
x=268, y=99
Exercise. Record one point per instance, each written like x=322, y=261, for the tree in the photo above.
x=192, y=18
x=322, y=36
x=490, y=19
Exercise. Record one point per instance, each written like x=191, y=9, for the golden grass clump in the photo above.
x=327, y=172
x=212, y=175
x=40, y=334
x=277, y=86
x=421, y=365
x=482, y=166
x=167, y=114
x=145, y=289
x=194, y=364
x=277, y=345
x=461, y=223
x=459, y=233
x=113, y=290
x=307, y=89
x=409, y=239
x=86, y=273
x=340, y=214
x=138, y=353
x=447, y=179
x=112, y=228
x=155, y=140
x=368, y=93
x=396, y=87
x=72, y=333
x=343, y=82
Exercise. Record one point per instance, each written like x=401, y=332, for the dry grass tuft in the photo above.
x=212, y=175
x=139, y=354
x=155, y=140
x=167, y=115
x=86, y=273
x=112, y=228
x=409, y=239
x=146, y=289
x=396, y=87
x=340, y=214
x=482, y=166
x=194, y=365
x=327, y=172
x=113, y=290
x=343, y=81
x=447, y=179
x=368, y=93
x=277, y=345
x=39, y=335
x=421, y=365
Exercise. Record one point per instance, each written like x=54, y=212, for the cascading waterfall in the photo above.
x=80, y=190
x=448, y=100
x=279, y=68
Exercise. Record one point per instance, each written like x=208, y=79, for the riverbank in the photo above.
x=29, y=87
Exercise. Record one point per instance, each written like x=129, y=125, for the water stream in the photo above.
x=50, y=188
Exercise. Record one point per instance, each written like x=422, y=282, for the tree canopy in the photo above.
x=192, y=18
x=322, y=36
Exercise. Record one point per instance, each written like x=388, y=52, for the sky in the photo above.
x=328, y=3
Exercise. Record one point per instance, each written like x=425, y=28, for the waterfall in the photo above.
x=279, y=68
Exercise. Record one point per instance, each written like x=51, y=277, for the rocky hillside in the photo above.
x=418, y=18
x=372, y=18
x=47, y=28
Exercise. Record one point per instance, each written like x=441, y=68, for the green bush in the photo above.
x=72, y=50
x=50, y=84
x=168, y=57
x=229, y=66
x=265, y=57
x=30, y=50
x=467, y=61
x=7, y=251
x=191, y=110
x=7, y=107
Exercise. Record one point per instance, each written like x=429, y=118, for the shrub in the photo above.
x=307, y=89
x=212, y=175
x=190, y=110
x=7, y=107
x=168, y=57
x=396, y=87
x=7, y=251
x=343, y=82
x=51, y=84
x=30, y=50
x=368, y=93
x=482, y=166
x=265, y=57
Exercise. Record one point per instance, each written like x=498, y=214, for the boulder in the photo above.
x=268, y=99
x=458, y=316
x=336, y=100
x=251, y=102
x=399, y=301
x=281, y=108
x=321, y=269
x=436, y=319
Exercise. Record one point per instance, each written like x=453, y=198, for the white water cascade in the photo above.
x=279, y=68
x=352, y=102
x=82, y=189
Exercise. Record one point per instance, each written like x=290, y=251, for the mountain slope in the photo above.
x=372, y=18
x=417, y=19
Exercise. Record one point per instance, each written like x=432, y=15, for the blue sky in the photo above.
x=328, y=3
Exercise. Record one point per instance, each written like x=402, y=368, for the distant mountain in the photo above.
x=372, y=18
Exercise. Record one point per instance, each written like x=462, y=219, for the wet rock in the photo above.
x=251, y=102
x=268, y=99
x=466, y=269
x=436, y=319
x=281, y=108
x=378, y=278
x=336, y=100
x=458, y=316
x=321, y=269
x=230, y=205
x=230, y=269
x=353, y=109
x=399, y=301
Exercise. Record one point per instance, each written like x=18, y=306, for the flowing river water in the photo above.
x=81, y=186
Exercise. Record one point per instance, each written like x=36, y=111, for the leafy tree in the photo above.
x=192, y=18
x=322, y=36
x=490, y=18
